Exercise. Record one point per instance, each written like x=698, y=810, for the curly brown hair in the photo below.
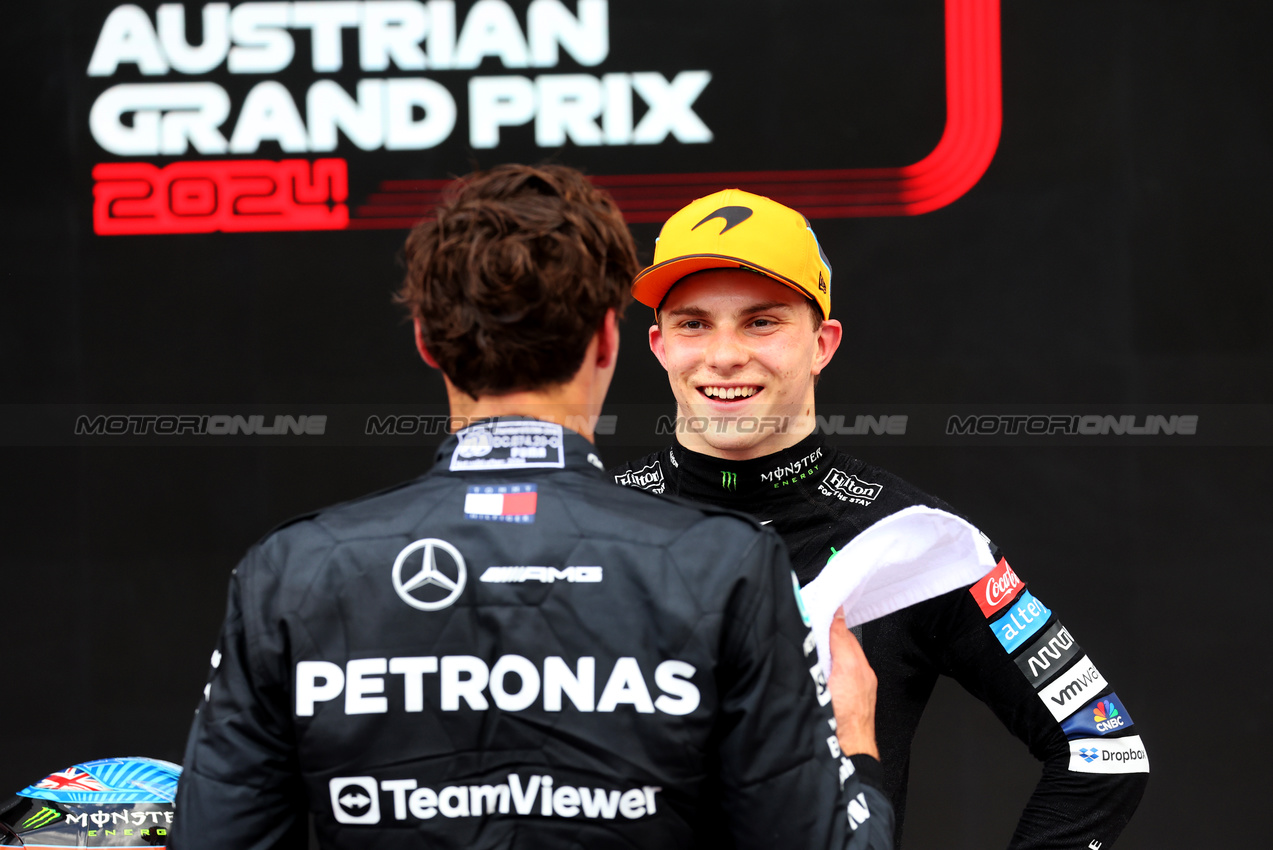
x=513, y=275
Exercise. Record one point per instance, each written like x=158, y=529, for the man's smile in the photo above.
x=724, y=392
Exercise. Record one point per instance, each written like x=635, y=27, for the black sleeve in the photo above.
x=240, y=785
x=784, y=781
x=1050, y=694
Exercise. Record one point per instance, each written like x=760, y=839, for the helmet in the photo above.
x=121, y=802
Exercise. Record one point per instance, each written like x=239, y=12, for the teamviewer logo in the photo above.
x=355, y=799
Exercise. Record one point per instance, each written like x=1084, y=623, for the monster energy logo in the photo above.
x=43, y=817
x=729, y=480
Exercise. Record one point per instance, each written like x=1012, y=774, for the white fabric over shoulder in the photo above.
x=905, y=558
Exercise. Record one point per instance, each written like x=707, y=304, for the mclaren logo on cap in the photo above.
x=733, y=216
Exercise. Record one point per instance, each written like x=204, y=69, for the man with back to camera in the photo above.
x=741, y=291
x=489, y=656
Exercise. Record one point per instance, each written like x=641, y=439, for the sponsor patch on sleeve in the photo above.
x=857, y=811
x=1020, y=622
x=997, y=589
x=1099, y=717
x=502, y=502
x=847, y=769
x=1044, y=658
x=1108, y=755
x=820, y=682
x=1072, y=688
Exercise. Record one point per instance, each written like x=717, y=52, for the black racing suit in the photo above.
x=995, y=638
x=512, y=652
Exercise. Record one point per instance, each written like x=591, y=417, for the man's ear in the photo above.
x=608, y=340
x=420, y=346
x=829, y=336
x=656, y=342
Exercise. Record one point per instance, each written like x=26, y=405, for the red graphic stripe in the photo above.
x=974, y=119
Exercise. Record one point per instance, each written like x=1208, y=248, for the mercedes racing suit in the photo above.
x=997, y=639
x=512, y=652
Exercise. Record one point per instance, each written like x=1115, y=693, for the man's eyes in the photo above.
x=699, y=324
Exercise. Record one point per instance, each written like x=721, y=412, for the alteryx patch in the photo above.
x=502, y=502
x=1099, y=717
x=1020, y=622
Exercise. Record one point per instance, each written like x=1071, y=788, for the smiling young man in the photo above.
x=742, y=350
x=741, y=291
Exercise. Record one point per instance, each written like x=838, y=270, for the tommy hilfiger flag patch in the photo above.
x=502, y=502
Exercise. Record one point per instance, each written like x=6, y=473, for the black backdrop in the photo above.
x=1114, y=256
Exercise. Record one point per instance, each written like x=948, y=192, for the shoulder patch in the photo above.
x=648, y=477
x=997, y=589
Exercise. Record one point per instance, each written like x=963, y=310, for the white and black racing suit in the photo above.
x=996, y=638
x=512, y=652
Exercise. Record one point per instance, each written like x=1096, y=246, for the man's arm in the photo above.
x=1010, y=651
x=240, y=786
x=785, y=779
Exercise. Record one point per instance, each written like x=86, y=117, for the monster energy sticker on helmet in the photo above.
x=43, y=817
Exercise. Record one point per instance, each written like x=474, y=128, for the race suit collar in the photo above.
x=722, y=481
x=509, y=444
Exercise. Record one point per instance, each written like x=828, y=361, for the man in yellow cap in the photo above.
x=742, y=292
x=776, y=290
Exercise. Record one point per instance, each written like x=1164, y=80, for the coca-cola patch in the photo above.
x=997, y=589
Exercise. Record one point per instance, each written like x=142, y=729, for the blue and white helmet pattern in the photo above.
x=118, y=802
x=123, y=780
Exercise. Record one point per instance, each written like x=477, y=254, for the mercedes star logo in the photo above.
x=436, y=589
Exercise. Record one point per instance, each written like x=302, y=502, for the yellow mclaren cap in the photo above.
x=736, y=229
